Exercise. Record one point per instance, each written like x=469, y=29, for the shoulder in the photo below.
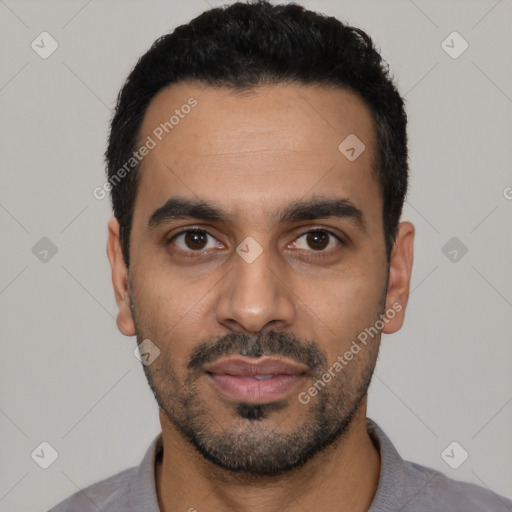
x=109, y=495
x=410, y=487
x=428, y=489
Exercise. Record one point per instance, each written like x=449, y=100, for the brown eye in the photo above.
x=194, y=240
x=319, y=240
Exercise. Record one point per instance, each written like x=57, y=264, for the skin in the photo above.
x=252, y=155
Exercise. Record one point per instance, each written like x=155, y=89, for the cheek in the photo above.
x=164, y=295
x=344, y=297
x=171, y=312
x=340, y=308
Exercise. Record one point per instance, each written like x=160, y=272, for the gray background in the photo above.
x=70, y=378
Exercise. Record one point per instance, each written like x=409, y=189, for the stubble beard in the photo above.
x=252, y=443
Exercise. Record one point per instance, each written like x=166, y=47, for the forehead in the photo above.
x=253, y=152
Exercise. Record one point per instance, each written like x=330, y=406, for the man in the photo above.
x=257, y=164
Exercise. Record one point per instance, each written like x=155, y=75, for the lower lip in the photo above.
x=250, y=390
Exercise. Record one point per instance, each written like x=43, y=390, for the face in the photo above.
x=257, y=261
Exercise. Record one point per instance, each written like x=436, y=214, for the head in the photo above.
x=265, y=167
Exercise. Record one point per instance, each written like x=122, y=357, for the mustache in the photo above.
x=268, y=343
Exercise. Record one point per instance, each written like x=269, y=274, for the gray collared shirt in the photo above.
x=403, y=487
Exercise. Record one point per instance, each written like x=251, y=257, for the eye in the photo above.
x=194, y=240
x=320, y=240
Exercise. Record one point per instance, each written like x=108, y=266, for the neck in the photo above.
x=341, y=478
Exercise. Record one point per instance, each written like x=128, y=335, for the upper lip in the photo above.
x=247, y=367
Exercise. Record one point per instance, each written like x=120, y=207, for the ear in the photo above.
x=400, y=268
x=124, y=321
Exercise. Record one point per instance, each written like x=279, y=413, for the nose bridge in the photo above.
x=253, y=294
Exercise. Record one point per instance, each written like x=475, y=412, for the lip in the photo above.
x=235, y=377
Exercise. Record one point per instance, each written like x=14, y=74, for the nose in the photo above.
x=254, y=295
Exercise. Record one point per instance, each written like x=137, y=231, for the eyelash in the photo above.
x=193, y=254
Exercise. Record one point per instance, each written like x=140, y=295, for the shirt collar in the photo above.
x=390, y=495
x=143, y=494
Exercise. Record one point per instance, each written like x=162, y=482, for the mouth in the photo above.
x=255, y=380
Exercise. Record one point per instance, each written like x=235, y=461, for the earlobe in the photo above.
x=124, y=321
x=400, y=269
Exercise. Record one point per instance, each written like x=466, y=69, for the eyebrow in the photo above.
x=315, y=208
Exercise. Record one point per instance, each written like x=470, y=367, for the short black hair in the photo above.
x=242, y=46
